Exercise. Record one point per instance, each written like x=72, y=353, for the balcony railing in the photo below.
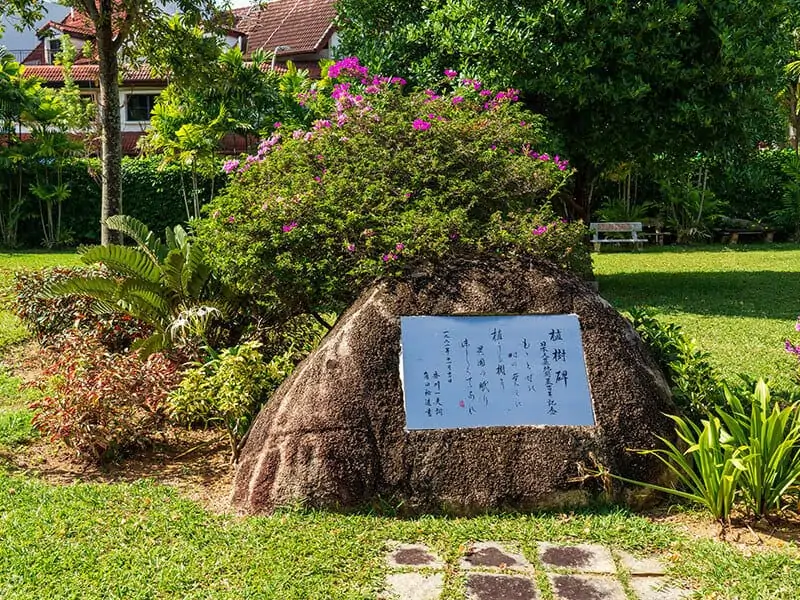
x=19, y=55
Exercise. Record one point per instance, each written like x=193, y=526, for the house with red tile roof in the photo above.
x=298, y=30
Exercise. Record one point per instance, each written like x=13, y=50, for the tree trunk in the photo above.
x=581, y=203
x=110, y=126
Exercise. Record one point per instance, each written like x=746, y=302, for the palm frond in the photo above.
x=196, y=271
x=100, y=288
x=122, y=260
x=139, y=233
x=150, y=345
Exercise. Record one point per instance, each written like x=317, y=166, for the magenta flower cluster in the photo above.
x=562, y=164
x=289, y=227
x=347, y=67
x=542, y=229
x=789, y=346
x=421, y=124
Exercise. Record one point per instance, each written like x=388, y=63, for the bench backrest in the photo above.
x=615, y=226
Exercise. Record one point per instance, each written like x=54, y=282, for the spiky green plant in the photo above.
x=158, y=282
x=768, y=437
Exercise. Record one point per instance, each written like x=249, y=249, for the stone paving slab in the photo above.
x=656, y=588
x=494, y=556
x=413, y=556
x=492, y=586
x=414, y=586
x=586, y=587
x=638, y=567
x=584, y=558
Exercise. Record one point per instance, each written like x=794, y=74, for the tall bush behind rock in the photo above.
x=390, y=180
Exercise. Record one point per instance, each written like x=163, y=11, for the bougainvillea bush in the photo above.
x=389, y=180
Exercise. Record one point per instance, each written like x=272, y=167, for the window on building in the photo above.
x=54, y=46
x=139, y=106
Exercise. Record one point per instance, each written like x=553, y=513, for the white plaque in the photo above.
x=488, y=371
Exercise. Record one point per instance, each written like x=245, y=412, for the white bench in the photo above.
x=631, y=228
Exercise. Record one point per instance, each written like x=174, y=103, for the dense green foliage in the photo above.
x=743, y=452
x=32, y=167
x=647, y=82
x=767, y=436
x=228, y=389
x=389, y=182
x=695, y=384
x=155, y=194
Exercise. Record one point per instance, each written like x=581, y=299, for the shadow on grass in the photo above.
x=759, y=294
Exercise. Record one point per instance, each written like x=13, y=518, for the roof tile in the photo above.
x=304, y=26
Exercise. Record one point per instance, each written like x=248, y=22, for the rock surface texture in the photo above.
x=333, y=435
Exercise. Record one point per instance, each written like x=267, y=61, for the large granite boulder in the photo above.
x=333, y=435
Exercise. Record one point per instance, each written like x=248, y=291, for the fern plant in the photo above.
x=158, y=282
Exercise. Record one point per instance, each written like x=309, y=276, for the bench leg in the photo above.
x=597, y=246
x=735, y=237
x=768, y=238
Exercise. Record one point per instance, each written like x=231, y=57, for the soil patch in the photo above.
x=749, y=536
x=196, y=463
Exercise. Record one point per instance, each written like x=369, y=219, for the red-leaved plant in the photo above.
x=100, y=403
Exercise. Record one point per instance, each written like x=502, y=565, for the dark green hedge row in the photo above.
x=152, y=195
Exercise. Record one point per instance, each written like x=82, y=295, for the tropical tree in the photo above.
x=651, y=83
x=117, y=25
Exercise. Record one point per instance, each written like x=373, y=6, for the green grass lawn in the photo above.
x=739, y=304
x=144, y=541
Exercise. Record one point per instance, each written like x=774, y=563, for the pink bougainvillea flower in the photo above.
x=540, y=230
x=450, y=74
x=351, y=247
x=230, y=166
x=277, y=124
x=347, y=67
x=400, y=246
x=231, y=219
x=421, y=125
x=289, y=226
x=388, y=257
x=457, y=100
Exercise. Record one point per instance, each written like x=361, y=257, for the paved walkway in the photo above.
x=497, y=571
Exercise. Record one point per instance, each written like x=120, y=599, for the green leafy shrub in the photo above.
x=747, y=452
x=229, y=389
x=768, y=438
x=48, y=318
x=696, y=386
x=390, y=180
x=100, y=403
x=751, y=185
x=707, y=472
x=167, y=285
x=787, y=216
